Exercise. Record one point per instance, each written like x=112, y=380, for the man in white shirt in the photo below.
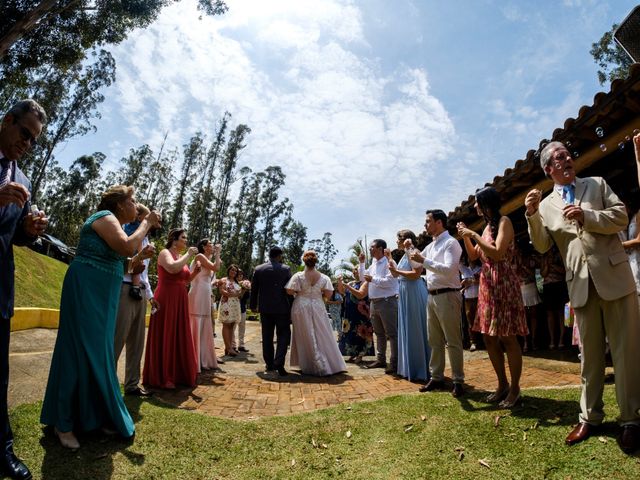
x=441, y=259
x=383, y=307
x=130, y=322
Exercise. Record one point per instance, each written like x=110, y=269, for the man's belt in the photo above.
x=384, y=299
x=438, y=291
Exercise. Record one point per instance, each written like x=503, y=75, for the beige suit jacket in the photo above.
x=591, y=251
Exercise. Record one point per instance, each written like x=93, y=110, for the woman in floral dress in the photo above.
x=229, y=312
x=500, y=317
x=356, y=338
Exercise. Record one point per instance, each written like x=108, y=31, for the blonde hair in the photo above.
x=114, y=196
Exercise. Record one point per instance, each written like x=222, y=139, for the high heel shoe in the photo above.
x=508, y=405
x=498, y=396
x=67, y=439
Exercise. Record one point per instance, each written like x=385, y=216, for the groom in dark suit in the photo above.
x=269, y=298
x=19, y=130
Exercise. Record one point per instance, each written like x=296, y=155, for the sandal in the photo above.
x=497, y=396
x=507, y=405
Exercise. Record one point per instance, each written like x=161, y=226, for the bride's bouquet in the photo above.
x=246, y=284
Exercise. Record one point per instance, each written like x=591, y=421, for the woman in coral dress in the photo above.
x=200, y=304
x=170, y=357
x=500, y=317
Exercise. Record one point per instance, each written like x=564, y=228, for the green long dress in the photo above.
x=83, y=392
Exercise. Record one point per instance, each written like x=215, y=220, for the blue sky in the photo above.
x=375, y=110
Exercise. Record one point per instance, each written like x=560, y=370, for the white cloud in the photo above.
x=339, y=127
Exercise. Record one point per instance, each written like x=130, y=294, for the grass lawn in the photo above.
x=38, y=279
x=410, y=436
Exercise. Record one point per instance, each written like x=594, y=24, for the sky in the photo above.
x=375, y=110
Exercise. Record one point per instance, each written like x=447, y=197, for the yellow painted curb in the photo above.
x=26, y=318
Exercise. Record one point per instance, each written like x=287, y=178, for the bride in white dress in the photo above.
x=314, y=348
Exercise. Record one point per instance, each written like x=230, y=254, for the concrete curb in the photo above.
x=26, y=318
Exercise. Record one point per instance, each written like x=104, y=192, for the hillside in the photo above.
x=38, y=279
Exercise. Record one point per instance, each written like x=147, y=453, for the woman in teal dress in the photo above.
x=83, y=392
x=413, y=347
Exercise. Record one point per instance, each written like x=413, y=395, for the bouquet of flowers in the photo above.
x=246, y=284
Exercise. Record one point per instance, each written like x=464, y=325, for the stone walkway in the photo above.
x=243, y=391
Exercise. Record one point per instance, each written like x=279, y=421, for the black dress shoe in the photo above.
x=282, y=372
x=458, y=390
x=138, y=392
x=629, y=439
x=432, y=385
x=13, y=467
x=377, y=364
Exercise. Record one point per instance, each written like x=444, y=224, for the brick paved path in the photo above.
x=243, y=391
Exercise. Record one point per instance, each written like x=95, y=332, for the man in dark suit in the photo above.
x=269, y=298
x=19, y=130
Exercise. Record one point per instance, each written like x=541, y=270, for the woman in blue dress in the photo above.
x=413, y=346
x=83, y=392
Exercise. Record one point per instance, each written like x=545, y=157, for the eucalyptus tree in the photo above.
x=271, y=208
x=612, y=60
x=193, y=153
x=226, y=177
x=73, y=196
x=326, y=251
x=58, y=32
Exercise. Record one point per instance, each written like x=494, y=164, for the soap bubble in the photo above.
x=603, y=147
x=600, y=132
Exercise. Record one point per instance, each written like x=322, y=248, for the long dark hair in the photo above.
x=488, y=200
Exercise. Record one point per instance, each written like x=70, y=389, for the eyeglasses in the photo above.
x=26, y=135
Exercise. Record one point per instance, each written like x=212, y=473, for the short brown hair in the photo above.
x=114, y=196
x=174, y=234
x=310, y=258
x=404, y=234
x=21, y=108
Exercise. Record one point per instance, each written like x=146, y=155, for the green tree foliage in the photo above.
x=326, y=252
x=271, y=209
x=227, y=176
x=201, y=209
x=58, y=33
x=612, y=60
x=192, y=162
x=346, y=264
x=294, y=238
x=70, y=99
x=73, y=197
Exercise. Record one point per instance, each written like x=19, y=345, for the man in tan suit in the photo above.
x=582, y=217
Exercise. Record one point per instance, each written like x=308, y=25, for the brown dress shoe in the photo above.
x=629, y=439
x=581, y=432
x=458, y=390
x=432, y=385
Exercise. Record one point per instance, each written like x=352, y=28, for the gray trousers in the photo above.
x=384, y=318
x=444, y=326
x=619, y=322
x=130, y=332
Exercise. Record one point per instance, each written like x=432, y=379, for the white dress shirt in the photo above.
x=382, y=283
x=144, y=276
x=442, y=261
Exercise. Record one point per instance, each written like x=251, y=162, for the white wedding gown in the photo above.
x=314, y=348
